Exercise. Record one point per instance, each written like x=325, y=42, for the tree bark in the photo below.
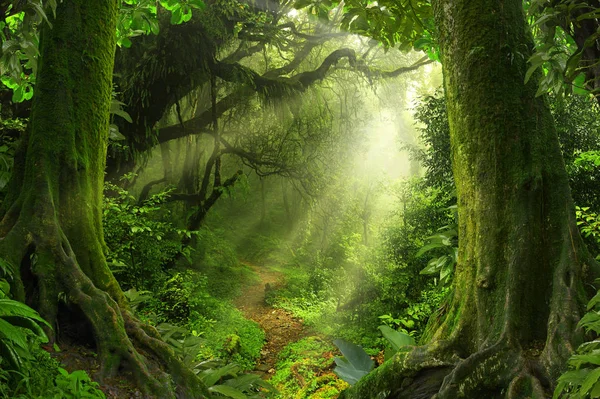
x=52, y=215
x=518, y=292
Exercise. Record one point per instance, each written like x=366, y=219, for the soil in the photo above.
x=281, y=327
x=76, y=357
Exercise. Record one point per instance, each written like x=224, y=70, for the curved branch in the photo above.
x=199, y=124
x=146, y=190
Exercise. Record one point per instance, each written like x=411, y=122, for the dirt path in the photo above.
x=281, y=328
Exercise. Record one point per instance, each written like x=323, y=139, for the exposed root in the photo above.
x=187, y=383
x=114, y=347
x=434, y=371
x=157, y=371
x=498, y=371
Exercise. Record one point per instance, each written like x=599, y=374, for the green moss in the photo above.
x=305, y=370
x=232, y=337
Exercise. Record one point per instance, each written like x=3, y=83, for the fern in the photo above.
x=582, y=380
x=17, y=322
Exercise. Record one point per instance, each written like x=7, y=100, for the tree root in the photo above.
x=434, y=371
x=158, y=372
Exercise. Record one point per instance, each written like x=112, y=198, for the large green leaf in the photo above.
x=16, y=336
x=397, y=339
x=210, y=377
x=8, y=352
x=9, y=307
x=243, y=382
x=228, y=391
x=28, y=324
x=355, y=364
x=590, y=380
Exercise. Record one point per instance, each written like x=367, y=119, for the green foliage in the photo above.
x=588, y=160
x=434, y=150
x=582, y=380
x=198, y=325
x=589, y=226
x=577, y=122
x=405, y=25
x=446, y=241
x=183, y=294
x=20, y=39
x=397, y=339
x=140, y=242
x=19, y=34
x=227, y=380
x=303, y=371
x=15, y=319
x=26, y=371
x=341, y=288
x=216, y=257
x=221, y=377
x=354, y=364
x=76, y=385
x=37, y=379
x=234, y=338
x=19, y=325
x=191, y=308
x=588, y=222
x=9, y=130
x=556, y=54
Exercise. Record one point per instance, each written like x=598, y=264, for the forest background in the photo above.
x=251, y=133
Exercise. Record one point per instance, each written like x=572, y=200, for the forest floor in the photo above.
x=281, y=327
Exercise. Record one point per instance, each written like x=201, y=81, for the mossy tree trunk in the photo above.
x=52, y=217
x=518, y=293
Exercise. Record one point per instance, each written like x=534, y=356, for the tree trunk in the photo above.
x=52, y=216
x=518, y=291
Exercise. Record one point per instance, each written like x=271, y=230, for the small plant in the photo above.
x=355, y=362
x=187, y=346
x=76, y=385
x=229, y=381
x=445, y=241
x=582, y=380
x=17, y=322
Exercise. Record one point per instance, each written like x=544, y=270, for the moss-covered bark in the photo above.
x=52, y=225
x=518, y=290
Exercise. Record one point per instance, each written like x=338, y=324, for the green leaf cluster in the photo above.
x=140, y=241
x=582, y=380
x=446, y=241
x=556, y=54
x=356, y=363
x=228, y=380
x=76, y=385
x=19, y=324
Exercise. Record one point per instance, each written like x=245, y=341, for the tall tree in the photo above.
x=51, y=228
x=518, y=294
